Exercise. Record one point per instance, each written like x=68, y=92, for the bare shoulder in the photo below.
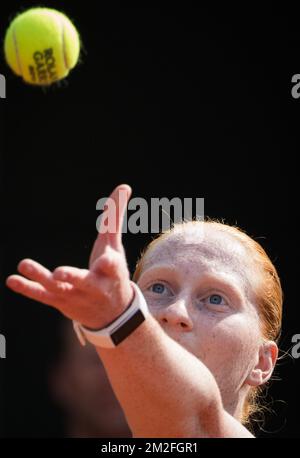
x=223, y=425
x=233, y=428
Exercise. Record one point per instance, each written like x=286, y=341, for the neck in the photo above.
x=235, y=406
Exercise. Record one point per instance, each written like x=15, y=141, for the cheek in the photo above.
x=227, y=344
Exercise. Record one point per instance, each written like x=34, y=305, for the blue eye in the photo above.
x=157, y=288
x=215, y=299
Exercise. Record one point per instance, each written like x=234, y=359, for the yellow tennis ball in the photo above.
x=41, y=45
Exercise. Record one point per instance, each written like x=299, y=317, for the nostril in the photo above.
x=165, y=320
x=183, y=325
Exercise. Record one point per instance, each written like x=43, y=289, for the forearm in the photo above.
x=163, y=389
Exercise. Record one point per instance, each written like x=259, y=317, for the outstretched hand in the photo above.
x=94, y=296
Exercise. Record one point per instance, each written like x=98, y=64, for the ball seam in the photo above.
x=64, y=44
x=17, y=51
x=56, y=17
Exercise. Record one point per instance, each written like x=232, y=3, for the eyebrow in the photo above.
x=164, y=267
x=206, y=278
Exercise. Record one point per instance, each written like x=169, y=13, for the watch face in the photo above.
x=128, y=327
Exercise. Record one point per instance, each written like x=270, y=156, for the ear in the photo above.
x=267, y=357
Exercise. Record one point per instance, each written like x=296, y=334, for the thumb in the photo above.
x=110, y=230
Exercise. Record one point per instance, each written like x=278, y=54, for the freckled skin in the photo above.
x=186, y=370
x=226, y=338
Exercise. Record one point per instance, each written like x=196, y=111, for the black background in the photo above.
x=175, y=103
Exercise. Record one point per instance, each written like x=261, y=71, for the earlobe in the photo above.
x=267, y=357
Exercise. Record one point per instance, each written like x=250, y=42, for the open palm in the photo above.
x=94, y=296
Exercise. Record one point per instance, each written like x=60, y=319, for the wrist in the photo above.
x=127, y=299
x=112, y=335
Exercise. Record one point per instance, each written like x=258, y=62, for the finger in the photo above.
x=121, y=196
x=31, y=289
x=38, y=273
x=111, y=234
x=95, y=283
x=72, y=275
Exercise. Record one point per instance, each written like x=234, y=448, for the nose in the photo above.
x=176, y=315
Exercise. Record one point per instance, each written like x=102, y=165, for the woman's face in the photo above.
x=199, y=290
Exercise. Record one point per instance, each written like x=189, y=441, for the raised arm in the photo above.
x=163, y=389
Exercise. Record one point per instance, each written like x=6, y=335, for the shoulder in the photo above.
x=220, y=424
x=233, y=428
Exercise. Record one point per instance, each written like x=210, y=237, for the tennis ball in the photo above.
x=41, y=45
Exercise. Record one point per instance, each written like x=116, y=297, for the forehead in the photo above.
x=201, y=249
